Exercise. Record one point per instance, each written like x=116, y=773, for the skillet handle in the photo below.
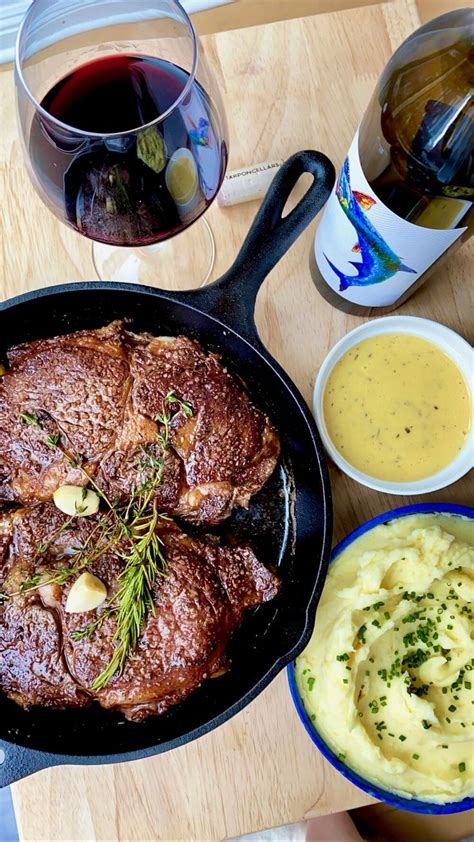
x=232, y=298
x=17, y=762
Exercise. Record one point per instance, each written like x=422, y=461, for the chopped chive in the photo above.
x=361, y=634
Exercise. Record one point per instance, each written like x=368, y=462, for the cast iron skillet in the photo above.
x=288, y=522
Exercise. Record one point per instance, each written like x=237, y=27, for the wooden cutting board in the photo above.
x=287, y=86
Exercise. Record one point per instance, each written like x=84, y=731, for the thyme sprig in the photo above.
x=130, y=530
x=81, y=634
x=31, y=419
x=82, y=558
x=43, y=546
x=75, y=460
x=184, y=406
x=164, y=418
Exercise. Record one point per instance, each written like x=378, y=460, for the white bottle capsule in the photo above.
x=247, y=183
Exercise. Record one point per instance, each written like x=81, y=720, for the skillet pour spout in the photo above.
x=289, y=522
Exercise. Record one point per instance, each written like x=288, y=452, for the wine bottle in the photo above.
x=404, y=198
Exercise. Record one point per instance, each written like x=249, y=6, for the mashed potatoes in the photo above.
x=388, y=676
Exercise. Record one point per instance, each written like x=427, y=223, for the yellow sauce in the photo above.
x=397, y=407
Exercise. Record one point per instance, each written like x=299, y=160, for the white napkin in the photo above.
x=286, y=833
x=12, y=11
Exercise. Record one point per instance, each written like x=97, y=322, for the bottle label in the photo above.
x=364, y=251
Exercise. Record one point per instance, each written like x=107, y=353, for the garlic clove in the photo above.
x=87, y=593
x=75, y=500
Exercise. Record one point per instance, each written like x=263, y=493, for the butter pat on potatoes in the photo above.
x=87, y=593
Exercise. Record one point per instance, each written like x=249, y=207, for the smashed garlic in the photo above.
x=87, y=593
x=75, y=500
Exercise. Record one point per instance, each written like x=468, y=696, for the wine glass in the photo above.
x=124, y=133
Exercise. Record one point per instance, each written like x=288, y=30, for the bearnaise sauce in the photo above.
x=397, y=407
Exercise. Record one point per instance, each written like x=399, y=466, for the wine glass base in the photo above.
x=183, y=262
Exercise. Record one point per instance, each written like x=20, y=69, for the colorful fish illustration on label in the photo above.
x=200, y=134
x=379, y=262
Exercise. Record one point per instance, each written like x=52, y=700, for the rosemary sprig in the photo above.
x=145, y=562
x=136, y=524
x=143, y=565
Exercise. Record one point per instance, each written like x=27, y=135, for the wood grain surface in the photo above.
x=253, y=12
x=287, y=86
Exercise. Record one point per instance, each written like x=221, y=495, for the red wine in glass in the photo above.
x=109, y=167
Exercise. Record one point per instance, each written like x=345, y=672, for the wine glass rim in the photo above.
x=82, y=132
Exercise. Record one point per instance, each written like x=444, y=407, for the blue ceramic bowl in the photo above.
x=411, y=804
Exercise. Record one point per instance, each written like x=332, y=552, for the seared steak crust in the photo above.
x=33, y=670
x=76, y=384
x=86, y=405
x=229, y=448
x=198, y=605
x=102, y=390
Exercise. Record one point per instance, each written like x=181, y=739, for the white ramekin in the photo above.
x=452, y=344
